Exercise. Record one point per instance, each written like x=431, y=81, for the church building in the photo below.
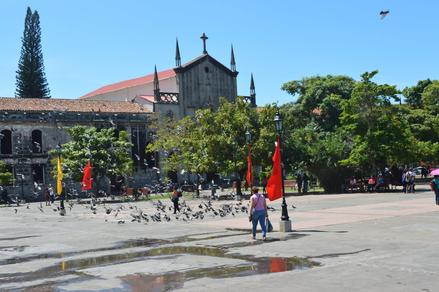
x=179, y=91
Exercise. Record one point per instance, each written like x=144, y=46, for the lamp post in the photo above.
x=285, y=220
x=248, y=138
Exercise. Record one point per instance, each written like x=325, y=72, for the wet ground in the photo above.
x=361, y=242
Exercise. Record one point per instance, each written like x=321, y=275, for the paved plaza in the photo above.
x=348, y=242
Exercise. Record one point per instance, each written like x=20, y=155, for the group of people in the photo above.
x=408, y=181
x=376, y=183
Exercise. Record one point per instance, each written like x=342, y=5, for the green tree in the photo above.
x=209, y=142
x=430, y=97
x=413, y=95
x=5, y=174
x=380, y=132
x=109, y=155
x=31, y=80
x=319, y=99
x=183, y=146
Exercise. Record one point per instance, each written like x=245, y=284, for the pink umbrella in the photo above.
x=434, y=172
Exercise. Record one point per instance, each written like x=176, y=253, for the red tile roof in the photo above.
x=130, y=83
x=149, y=98
x=69, y=105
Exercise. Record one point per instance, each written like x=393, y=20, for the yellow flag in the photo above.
x=59, y=177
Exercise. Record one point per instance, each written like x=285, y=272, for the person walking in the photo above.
x=51, y=194
x=434, y=184
x=258, y=212
x=411, y=182
x=405, y=180
x=174, y=198
x=47, y=196
x=299, y=181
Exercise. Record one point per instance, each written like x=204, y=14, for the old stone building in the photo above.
x=29, y=128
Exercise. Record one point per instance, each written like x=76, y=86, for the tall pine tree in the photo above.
x=31, y=79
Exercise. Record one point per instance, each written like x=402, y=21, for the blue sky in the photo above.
x=90, y=43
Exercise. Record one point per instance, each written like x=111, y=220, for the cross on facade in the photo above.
x=204, y=38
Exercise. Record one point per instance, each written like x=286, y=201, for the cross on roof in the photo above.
x=204, y=38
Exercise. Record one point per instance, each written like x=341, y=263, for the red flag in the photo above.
x=274, y=185
x=249, y=177
x=87, y=181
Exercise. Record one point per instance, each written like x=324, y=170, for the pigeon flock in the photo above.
x=161, y=212
x=157, y=211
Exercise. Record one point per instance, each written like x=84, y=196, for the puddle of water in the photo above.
x=166, y=282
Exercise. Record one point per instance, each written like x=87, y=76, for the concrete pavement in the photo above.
x=350, y=242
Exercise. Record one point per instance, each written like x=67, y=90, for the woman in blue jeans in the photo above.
x=258, y=211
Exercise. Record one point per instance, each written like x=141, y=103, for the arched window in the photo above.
x=37, y=141
x=6, y=142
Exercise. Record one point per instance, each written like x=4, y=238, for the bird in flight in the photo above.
x=383, y=13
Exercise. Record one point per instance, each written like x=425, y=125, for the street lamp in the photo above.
x=248, y=138
x=285, y=220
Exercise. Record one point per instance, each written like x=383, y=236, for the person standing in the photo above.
x=404, y=180
x=258, y=212
x=411, y=182
x=51, y=194
x=175, y=198
x=47, y=196
x=434, y=184
x=299, y=181
x=305, y=183
x=264, y=185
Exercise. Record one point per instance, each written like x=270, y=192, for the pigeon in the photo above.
x=383, y=13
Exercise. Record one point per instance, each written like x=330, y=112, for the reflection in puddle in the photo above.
x=140, y=282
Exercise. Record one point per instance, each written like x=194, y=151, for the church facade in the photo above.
x=180, y=91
